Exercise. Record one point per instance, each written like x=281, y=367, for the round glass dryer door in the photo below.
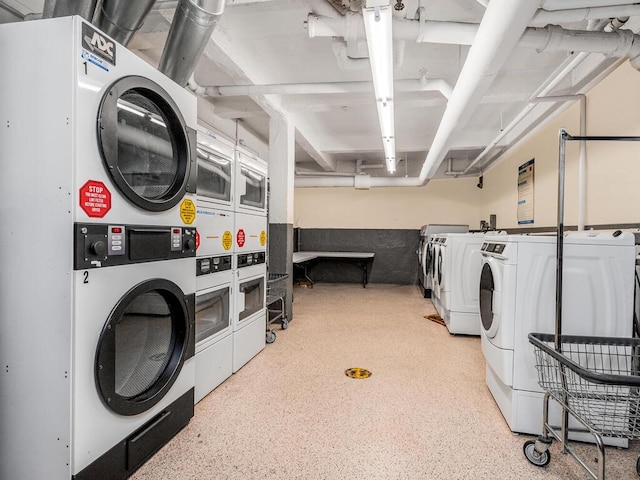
x=144, y=143
x=487, y=286
x=142, y=346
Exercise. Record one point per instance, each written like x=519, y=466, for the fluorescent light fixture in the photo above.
x=377, y=24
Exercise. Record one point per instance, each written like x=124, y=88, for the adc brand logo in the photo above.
x=95, y=42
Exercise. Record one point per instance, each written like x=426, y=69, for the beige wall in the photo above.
x=613, y=169
x=613, y=177
x=454, y=201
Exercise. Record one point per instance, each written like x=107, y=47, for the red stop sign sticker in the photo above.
x=95, y=199
x=197, y=239
x=240, y=238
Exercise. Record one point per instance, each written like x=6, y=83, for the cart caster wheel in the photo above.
x=284, y=324
x=539, y=459
x=271, y=337
x=638, y=466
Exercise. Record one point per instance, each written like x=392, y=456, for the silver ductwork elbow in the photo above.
x=121, y=19
x=65, y=8
x=191, y=28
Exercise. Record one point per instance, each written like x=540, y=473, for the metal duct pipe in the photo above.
x=191, y=28
x=64, y=8
x=121, y=19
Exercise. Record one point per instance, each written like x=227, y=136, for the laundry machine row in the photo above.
x=455, y=271
x=231, y=260
x=425, y=253
x=97, y=306
x=517, y=297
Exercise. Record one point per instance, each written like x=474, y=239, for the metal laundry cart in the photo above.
x=276, y=311
x=596, y=380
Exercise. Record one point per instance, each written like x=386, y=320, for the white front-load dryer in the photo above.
x=216, y=171
x=123, y=131
x=214, y=317
x=249, y=324
x=215, y=299
x=517, y=297
x=97, y=304
x=251, y=183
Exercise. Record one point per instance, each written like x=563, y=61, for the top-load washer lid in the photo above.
x=143, y=345
x=144, y=143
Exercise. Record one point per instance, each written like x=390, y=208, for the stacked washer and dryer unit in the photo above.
x=250, y=257
x=214, y=264
x=98, y=292
x=517, y=297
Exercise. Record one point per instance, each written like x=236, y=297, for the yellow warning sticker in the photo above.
x=227, y=240
x=263, y=238
x=188, y=211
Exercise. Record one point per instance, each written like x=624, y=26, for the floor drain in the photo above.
x=357, y=373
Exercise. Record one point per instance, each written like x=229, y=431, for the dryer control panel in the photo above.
x=207, y=265
x=103, y=245
x=249, y=259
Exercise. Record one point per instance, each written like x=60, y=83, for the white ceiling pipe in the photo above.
x=545, y=17
x=502, y=26
x=345, y=62
x=571, y=4
x=422, y=84
x=619, y=43
x=310, y=182
x=557, y=77
x=455, y=33
x=320, y=182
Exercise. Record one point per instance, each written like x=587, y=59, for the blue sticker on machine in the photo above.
x=97, y=43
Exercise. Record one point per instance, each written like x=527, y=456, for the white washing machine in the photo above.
x=249, y=325
x=251, y=183
x=517, y=297
x=458, y=283
x=216, y=169
x=425, y=253
x=97, y=328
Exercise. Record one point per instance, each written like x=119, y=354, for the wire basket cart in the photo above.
x=595, y=380
x=276, y=311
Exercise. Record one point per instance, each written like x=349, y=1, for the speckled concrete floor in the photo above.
x=426, y=413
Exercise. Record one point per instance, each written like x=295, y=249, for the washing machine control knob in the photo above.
x=189, y=244
x=99, y=248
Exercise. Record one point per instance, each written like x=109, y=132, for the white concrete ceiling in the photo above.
x=268, y=42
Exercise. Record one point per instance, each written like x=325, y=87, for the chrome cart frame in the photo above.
x=596, y=380
x=276, y=309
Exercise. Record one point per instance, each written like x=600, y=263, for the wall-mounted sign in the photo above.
x=525, y=192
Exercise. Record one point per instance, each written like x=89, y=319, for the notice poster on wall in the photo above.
x=525, y=192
